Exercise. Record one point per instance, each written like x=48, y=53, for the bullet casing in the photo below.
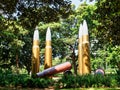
x=48, y=55
x=80, y=71
x=35, y=57
x=86, y=55
x=36, y=42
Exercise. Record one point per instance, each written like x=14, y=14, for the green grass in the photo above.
x=92, y=89
x=5, y=88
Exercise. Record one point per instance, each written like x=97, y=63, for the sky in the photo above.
x=77, y=2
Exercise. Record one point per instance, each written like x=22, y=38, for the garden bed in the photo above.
x=22, y=81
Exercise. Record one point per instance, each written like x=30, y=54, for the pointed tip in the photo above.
x=85, y=28
x=48, y=28
x=36, y=34
x=36, y=28
x=48, y=34
x=80, y=30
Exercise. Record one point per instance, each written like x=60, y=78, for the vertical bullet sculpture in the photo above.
x=86, y=56
x=48, y=50
x=80, y=66
x=35, y=53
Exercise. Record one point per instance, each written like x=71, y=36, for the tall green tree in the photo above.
x=108, y=15
x=30, y=13
x=10, y=41
x=107, y=32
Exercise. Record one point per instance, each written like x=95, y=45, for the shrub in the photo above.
x=7, y=78
x=86, y=81
x=68, y=81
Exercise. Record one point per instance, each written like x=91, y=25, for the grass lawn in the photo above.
x=92, y=89
x=6, y=88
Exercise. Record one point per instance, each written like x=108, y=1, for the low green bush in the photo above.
x=87, y=81
x=7, y=78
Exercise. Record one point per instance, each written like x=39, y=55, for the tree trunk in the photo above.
x=74, y=62
x=17, y=64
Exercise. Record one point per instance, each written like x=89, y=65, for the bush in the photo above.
x=68, y=81
x=8, y=79
x=86, y=81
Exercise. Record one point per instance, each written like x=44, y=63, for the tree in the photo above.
x=30, y=13
x=11, y=41
x=114, y=56
x=108, y=15
x=108, y=57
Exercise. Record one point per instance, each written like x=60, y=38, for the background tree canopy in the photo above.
x=30, y=13
x=108, y=15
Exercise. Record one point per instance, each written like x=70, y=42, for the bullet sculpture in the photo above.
x=83, y=50
x=86, y=56
x=48, y=50
x=54, y=70
x=80, y=68
x=35, y=53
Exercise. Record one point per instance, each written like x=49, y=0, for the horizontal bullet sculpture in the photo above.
x=54, y=70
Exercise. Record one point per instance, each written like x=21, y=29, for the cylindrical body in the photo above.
x=48, y=55
x=35, y=53
x=48, y=50
x=86, y=56
x=56, y=69
x=80, y=52
x=35, y=57
x=80, y=60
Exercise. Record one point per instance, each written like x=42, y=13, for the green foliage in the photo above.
x=108, y=14
x=87, y=81
x=30, y=13
x=11, y=41
x=114, y=56
x=109, y=55
x=66, y=82
x=8, y=79
x=37, y=83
